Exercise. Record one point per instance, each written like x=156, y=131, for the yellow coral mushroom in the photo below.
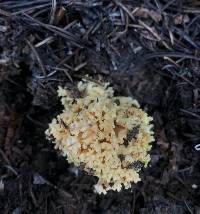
x=107, y=135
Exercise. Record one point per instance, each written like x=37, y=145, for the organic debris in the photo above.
x=148, y=50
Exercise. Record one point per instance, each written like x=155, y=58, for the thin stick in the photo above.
x=37, y=57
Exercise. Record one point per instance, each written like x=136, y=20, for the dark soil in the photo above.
x=149, y=50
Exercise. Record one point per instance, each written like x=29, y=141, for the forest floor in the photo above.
x=149, y=50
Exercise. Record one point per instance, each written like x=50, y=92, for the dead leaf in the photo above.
x=181, y=19
x=145, y=13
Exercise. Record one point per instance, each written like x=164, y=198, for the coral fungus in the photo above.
x=105, y=134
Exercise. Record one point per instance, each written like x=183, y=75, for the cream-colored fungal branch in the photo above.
x=106, y=135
